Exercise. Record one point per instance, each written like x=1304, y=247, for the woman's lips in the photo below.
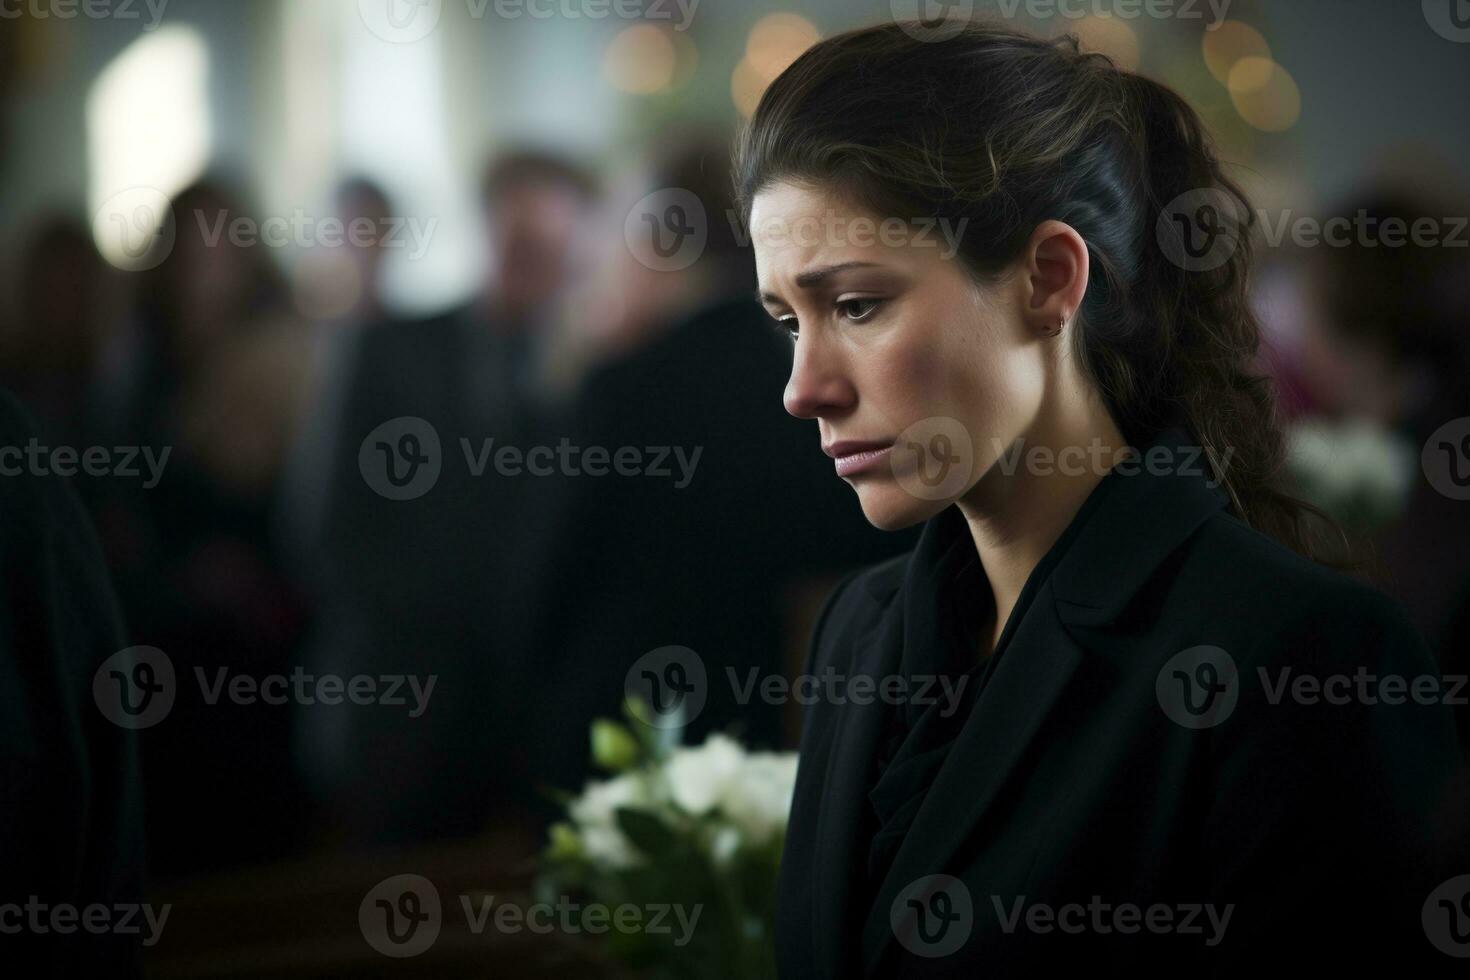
x=852, y=458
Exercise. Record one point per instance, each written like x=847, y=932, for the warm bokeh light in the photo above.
x=776, y=41
x=1109, y=36
x=1265, y=94
x=641, y=59
x=1229, y=43
x=746, y=87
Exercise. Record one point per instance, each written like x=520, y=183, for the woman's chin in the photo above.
x=889, y=507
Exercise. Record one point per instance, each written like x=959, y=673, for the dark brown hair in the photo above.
x=1008, y=130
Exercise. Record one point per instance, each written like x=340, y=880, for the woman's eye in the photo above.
x=858, y=310
x=785, y=325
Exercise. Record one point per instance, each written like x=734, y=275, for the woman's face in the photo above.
x=919, y=379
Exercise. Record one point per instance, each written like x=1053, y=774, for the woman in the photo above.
x=1075, y=729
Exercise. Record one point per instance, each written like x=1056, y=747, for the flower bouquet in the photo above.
x=1358, y=472
x=687, y=836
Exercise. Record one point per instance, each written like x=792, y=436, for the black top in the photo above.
x=1088, y=774
x=947, y=602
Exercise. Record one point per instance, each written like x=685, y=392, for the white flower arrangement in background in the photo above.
x=1358, y=471
x=698, y=825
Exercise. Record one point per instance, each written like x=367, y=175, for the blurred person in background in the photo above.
x=71, y=813
x=211, y=374
x=49, y=356
x=341, y=290
x=717, y=563
x=1384, y=353
x=448, y=580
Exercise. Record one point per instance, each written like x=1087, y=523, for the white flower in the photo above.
x=594, y=813
x=699, y=777
x=723, y=845
x=758, y=800
x=753, y=791
x=1355, y=464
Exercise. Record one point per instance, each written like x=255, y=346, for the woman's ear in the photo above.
x=1056, y=269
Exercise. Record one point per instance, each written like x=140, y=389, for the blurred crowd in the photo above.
x=273, y=543
x=294, y=409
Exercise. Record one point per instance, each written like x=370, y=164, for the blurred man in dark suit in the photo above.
x=431, y=547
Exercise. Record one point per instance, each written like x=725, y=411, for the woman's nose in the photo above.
x=818, y=384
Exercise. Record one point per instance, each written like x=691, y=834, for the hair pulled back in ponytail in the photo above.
x=1005, y=130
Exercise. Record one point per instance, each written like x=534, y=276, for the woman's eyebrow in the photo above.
x=815, y=277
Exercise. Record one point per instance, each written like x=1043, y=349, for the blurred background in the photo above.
x=331, y=255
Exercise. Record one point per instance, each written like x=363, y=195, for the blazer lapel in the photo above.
x=1040, y=660
x=844, y=799
x=1142, y=518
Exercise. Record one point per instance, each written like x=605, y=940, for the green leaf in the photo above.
x=613, y=747
x=646, y=831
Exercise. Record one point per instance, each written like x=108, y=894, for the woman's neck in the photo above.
x=1019, y=509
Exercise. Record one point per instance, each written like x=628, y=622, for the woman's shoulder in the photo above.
x=1267, y=592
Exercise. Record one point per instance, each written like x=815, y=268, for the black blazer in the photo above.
x=1072, y=779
